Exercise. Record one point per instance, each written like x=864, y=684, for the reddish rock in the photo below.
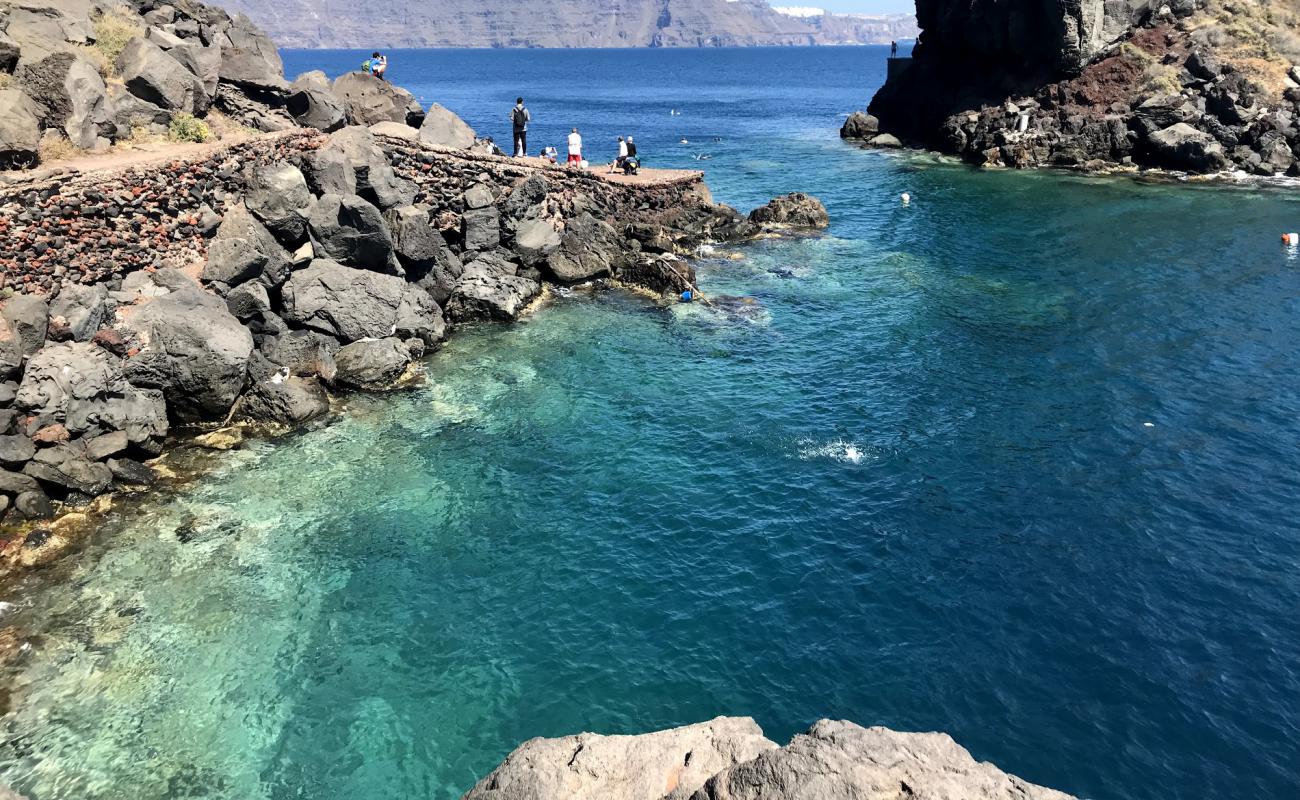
x=51, y=434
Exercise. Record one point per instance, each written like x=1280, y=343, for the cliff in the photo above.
x=729, y=758
x=565, y=23
x=1194, y=85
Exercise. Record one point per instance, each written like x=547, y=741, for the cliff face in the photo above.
x=975, y=52
x=1192, y=85
x=565, y=23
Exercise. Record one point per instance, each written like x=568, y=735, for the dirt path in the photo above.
x=124, y=157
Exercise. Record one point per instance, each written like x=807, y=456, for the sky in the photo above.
x=855, y=6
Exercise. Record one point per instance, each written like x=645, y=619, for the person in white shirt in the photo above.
x=575, y=147
x=622, y=155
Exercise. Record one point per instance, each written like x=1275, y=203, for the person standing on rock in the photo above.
x=575, y=147
x=519, y=119
x=893, y=49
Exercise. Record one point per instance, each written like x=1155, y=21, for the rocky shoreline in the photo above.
x=283, y=272
x=1198, y=87
x=253, y=282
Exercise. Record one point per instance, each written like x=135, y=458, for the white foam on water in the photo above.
x=837, y=450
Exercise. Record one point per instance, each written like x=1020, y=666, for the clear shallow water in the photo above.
x=915, y=487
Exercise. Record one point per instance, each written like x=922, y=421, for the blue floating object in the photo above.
x=687, y=296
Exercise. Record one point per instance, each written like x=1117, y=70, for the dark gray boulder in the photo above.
x=84, y=387
x=303, y=353
x=796, y=210
x=239, y=223
x=16, y=450
x=313, y=104
x=17, y=483
x=152, y=75
x=25, y=318
x=419, y=317
x=72, y=97
x=233, y=260
x=20, y=130
x=1182, y=147
x=348, y=229
x=130, y=472
x=101, y=447
x=423, y=252
x=353, y=304
x=372, y=364
x=277, y=195
x=527, y=199
x=72, y=475
x=488, y=291
x=535, y=240
x=78, y=311
x=33, y=504
x=442, y=128
x=248, y=301
x=192, y=349
x=589, y=248
x=276, y=395
x=481, y=229
x=249, y=58
x=368, y=100
x=352, y=162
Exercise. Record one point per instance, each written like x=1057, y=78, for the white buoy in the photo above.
x=907, y=198
x=1291, y=239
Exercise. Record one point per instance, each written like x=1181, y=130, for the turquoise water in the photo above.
x=1017, y=462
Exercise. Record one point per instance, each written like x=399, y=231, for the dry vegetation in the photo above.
x=57, y=148
x=1259, y=37
x=113, y=29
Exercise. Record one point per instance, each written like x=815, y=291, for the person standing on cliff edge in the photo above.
x=893, y=49
x=519, y=119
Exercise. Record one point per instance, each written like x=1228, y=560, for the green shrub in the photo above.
x=188, y=128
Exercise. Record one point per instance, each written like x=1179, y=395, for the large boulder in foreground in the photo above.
x=352, y=162
x=797, y=210
x=353, y=304
x=368, y=100
x=313, y=104
x=372, y=364
x=1183, y=147
x=590, y=766
x=348, y=229
x=442, y=128
x=487, y=289
x=193, y=349
x=840, y=759
x=152, y=75
x=589, y=248
x=728, y=758
x=84, y=387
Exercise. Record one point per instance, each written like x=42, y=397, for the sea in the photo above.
x=1018, y=461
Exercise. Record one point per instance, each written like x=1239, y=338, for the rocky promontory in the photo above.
x=160, y=296
x=729, y=758
x=1199, y=86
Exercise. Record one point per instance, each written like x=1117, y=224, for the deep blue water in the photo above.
x=1018, y=462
